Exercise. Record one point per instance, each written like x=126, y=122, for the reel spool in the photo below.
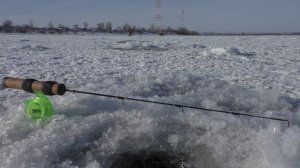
x=39, y=107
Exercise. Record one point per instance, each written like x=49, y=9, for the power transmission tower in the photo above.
x=158, y=17
x=182, y=19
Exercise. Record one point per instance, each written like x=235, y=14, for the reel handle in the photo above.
x=31, y=85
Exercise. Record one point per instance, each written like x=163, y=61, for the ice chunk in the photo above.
x=140, y=45
x=93, y=164
x=236, y=51
x=218, y=51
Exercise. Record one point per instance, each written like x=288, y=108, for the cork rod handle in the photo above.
x=32, y=85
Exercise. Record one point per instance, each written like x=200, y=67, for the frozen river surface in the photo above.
x=257, y=75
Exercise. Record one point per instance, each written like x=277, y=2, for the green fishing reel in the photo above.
x=39, y=107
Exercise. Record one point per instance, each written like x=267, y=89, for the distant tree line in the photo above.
x=9, y=27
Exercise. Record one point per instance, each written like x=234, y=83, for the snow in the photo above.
x=258, y=75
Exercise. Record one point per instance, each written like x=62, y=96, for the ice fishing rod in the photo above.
x=41, y=107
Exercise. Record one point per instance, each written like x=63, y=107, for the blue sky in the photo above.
x=200, y=15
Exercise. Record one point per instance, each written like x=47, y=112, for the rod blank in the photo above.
x=181, y=106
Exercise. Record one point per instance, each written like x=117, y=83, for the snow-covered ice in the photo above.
x=249, y=74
